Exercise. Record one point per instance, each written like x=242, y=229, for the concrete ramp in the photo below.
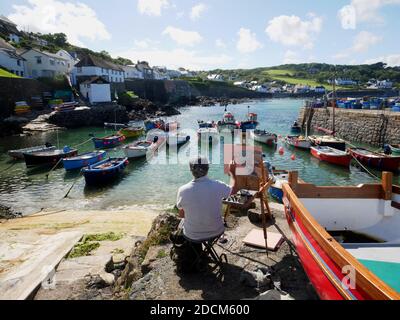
x=26, y=265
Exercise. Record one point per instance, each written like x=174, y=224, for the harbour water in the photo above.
x=150, y=185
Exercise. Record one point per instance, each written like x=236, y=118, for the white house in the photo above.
x=301, y=88
x=44, y=64
x=384, y=84
x=92, y=66
x=260, y=88
x=96, y=90
x=145, y=69
x=131, y=72
x=345, y=82
x=71, y=59
x=10, y=60
x=215, y=77
x=9, y=29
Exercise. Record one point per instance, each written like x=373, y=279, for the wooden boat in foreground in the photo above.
x=376, y=160
x=105, y=171
x=347, y=238
x=108, y=142
x=48, y=158
x=83, y=160
x=332, y=155
x=299, y=142
x=328, y=141
x=19, y=154
x=264, y=137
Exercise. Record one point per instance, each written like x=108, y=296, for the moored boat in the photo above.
x=347, y=238
x=328, y=141
x=279, y=177
x=228, y=122
x=131, y=132
x=250, y=124
x=154, y=124
x=332, y=155
x=376, y=160
x=83, y=160
x=296, y=128
x=177, y=139
x=104, y=171
x=208, y=132
x=48, y=158
x=262, y=136
x=19, y=154
x=299, y=142
x=143, y=148
x=108, y=142
x=395, y=148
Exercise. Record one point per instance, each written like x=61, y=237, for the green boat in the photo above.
x=395, y=149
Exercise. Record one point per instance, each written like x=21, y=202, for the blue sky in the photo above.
x=208, y=34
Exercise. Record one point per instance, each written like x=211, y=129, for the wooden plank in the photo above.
x=366, y=280
x=310, y=191
x=20, y=283
x=387, y=185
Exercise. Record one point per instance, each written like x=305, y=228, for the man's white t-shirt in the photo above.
x=201, y=200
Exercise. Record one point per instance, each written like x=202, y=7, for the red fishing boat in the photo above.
x=376, y=160
x=331, y=155
x=347, y=238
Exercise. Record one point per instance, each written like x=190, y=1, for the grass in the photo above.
x=6, y=74
x=91, y=242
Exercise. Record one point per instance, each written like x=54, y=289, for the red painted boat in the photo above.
x=339, y=269
x=376, y=160
x=331, y=155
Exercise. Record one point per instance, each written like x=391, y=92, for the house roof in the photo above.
x=98, y=80
x=93, y=61
x=5, y=45
x=49, y=54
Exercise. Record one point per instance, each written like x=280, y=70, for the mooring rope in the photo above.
x=81, y=144
x=369, y=172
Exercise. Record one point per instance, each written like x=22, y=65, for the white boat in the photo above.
x=177, y=139
x=228, y=123
x=299, y=142
x=143, y=148
x=264, y=137
x=19, y=154
x=208, y=134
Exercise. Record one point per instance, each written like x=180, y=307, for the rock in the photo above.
x=108, y=278
x=151, y=256
x=259, y=278
x=273, y=295
x=8, y=213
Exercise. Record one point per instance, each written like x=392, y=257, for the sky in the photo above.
x=210, y=34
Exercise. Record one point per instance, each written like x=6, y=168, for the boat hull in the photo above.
x=19, y=154
x=343, y=161
x=129, y=133
x=268, y=139
x=295, y=130
x=248, y=125
x=108, y=143
x=300, y=144
x=276, y=193
x=227, y=127
x=36, y=159
x=96, y=177
x=83, y=161
x=381, y=163
x=340, y=145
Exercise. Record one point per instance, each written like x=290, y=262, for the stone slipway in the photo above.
x=31, y=247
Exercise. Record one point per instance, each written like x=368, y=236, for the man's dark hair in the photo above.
x=199, y=167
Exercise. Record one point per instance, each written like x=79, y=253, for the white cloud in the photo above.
x=197, y=11
x=362, y=11
x=361, y=43
x=179, y=57
x=392, y=60
x=152, y=7
x=77, y=20
x=220, y=44
x=292, y=31
x=145, y=43
x=247, y=42
x=183, y=37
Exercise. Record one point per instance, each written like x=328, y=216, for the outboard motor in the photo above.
x=155, y=140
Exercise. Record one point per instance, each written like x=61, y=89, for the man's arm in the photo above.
x=232, y=173
x=181, y=213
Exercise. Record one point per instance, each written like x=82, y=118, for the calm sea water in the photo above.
x=148, y=185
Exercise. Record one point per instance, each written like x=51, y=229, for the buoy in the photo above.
x=281, y=151
x=280, y=136
x=293, y=157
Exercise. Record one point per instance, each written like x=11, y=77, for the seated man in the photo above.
x=200, y=202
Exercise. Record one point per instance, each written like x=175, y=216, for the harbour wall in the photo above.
x=364, y=126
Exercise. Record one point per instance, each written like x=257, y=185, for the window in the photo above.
x=22, y=73
x=52, y=62
x=17, y=73
x=39, y=60
x=19, y=62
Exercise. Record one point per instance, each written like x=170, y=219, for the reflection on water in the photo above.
x=150, y=184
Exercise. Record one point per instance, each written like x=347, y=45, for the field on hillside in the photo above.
x=6, y=74
x=287, y=76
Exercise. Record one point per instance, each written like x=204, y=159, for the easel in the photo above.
x=264, y=184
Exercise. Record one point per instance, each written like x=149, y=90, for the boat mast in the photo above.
x=334, y=103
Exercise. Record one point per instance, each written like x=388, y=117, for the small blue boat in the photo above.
x=279, y=177
x=105, y=171
x=108, y=142
x=83, y=160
